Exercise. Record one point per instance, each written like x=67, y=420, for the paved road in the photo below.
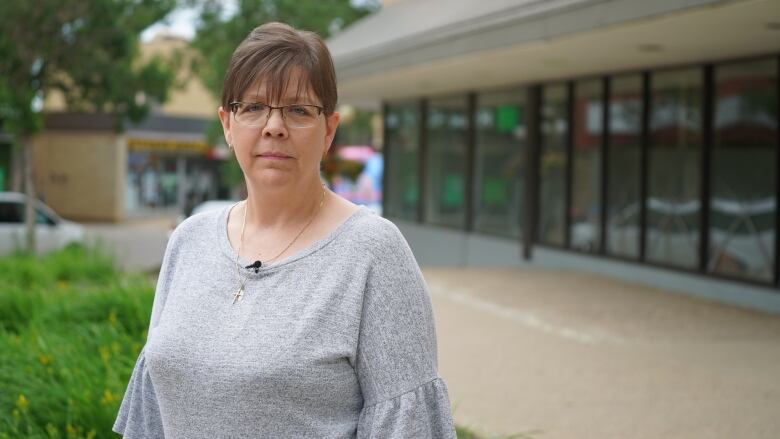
x=138, y=245
x=564, y=355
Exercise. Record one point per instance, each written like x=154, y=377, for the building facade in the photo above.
x=634, y=139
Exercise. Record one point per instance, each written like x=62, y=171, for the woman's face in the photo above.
x=277, y=155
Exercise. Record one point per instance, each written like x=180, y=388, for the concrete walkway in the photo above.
x=564, y=355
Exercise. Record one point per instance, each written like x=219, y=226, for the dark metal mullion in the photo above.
x=644, y=163
x=777, y=175
x=471, y=162
x=605, y=130
x=569, y=169
x=385, y=158
x=530, y=201
x=422, y=171
x=706, y=154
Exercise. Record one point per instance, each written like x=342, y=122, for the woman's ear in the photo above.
x=224, y=119
x=331, y=123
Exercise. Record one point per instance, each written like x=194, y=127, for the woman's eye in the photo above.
x=254, y=108
x=300, y=110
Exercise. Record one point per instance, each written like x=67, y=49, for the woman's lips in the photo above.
x=275, y=156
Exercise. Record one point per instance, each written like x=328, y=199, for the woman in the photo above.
x=293, y=313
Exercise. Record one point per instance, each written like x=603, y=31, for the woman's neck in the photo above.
x=280, y=207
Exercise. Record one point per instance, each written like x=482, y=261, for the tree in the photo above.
x=86, y=50
x=218, y=35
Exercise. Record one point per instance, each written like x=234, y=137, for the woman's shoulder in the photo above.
x=370, y=231
x=201, y=225
x=373, y=225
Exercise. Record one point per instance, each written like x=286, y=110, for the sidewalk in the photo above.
x=566, y=355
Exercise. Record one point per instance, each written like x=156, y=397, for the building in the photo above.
x=87, y=170
x=631, y=138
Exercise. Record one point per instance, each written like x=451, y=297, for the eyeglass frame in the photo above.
x=234, y=106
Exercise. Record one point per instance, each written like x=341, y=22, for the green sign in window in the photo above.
x=452, y=195
x=507, y=117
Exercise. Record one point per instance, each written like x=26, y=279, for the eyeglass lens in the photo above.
x=256, y=114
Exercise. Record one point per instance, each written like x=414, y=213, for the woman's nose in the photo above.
x=274, y=125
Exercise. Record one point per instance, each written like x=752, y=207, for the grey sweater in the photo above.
x=337, y=341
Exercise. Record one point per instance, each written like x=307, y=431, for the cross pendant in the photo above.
x=238, y=295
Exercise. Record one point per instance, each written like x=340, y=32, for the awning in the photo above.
x=422, y=48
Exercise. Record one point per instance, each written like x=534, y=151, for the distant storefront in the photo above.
x=87, y=171
x=170, y=164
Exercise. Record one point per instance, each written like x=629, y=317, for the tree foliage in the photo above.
x=85, y=49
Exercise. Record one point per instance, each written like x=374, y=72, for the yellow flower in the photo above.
x=92, y=434
x=22, y=402
x=52, y=431
x=62, y=284
x=105, y=354
x=44, y=359
x=108, y=398
x=70, y=431
x=112, y=318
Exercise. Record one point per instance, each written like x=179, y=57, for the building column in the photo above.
x=181, y=187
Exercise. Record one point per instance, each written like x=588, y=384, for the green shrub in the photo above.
x=71, y=327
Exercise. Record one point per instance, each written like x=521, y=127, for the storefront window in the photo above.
x=446, y=162
x=673, y=206
x=743, y=171
x=587, y=123
x=402, y=125
x=552, y=165
x=625, y=137
x=500, y=162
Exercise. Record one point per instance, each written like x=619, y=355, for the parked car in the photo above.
x=52, y=232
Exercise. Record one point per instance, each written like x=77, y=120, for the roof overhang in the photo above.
x=519, y=42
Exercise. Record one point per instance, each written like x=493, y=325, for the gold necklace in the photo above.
x=239, y=294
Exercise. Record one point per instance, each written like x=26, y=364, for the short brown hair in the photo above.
x=270, y=53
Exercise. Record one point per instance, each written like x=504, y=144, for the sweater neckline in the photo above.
x=231, y=253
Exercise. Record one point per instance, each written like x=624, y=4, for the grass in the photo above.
x=71, y=327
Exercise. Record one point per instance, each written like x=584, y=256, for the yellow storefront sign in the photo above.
x=180, y=146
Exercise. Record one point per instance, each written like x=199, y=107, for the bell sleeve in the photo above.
x=403, y=395
x=139, y=415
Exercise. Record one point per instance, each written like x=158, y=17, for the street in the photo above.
x=137, y=244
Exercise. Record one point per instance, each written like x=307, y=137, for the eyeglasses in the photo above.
x=256, y=114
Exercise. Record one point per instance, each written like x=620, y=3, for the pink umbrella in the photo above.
x=356, y=153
